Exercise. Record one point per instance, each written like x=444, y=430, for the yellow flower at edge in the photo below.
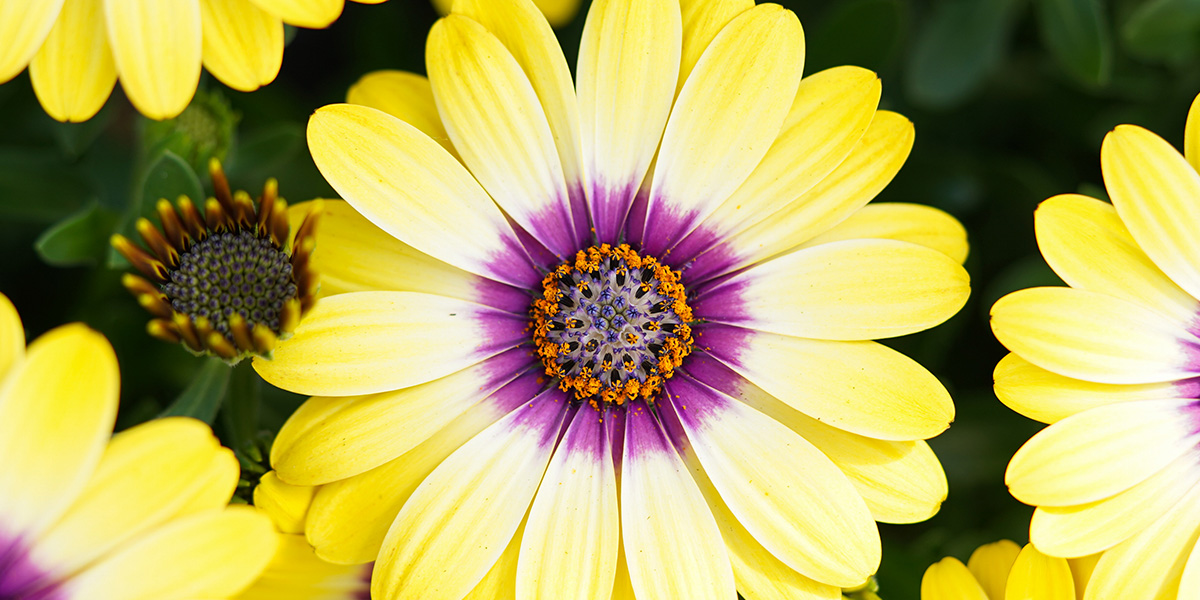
x=616, y=335
x=77, y=49
x=1004, y=571
x=1112, y=363
x=140, y=516
x=557, y=12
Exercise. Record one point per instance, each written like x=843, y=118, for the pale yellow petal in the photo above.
x=914, y=223
x=286, y=504
x=1191, y=136
x=1037, y=576
x=74, y=73
x=949, y=579
x=1154, y=189
x=991, y=563
x=558, y=12
x=500, y=581
x=862, y=289
x=243, y=44
x=702, y=21
x=497, y=124
x=1056, y=328
x=57, y=409
x=1049, y=397
x=406, y=96
x=408, y=185
x=296, y=573
x=315, y=14
x=369, y=342
x=628, y=64
x=214, y=554
x=12, y=337
x=752, y=69
x=157, y=48
x=24, y=25
x=1189, y=581
x=1086, y=244
x=1101, y=452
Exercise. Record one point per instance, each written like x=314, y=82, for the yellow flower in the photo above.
x=296, y=572
x=1111, y=362
x=558, y=384
x=1004, y=571
x=76, y=49
x=83, y=517
x=557, y=12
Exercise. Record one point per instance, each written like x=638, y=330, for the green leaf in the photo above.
x=263, y=153
x=960, y=45
x=168, y=176
x=866, y=33
x=1076, y=32
x=1164, y=30
x=204, y=395
x=80, y=239
x=38, y=186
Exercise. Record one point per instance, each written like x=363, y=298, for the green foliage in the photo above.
x=204, y=395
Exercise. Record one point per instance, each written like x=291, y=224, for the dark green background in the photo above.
x=1011, y=100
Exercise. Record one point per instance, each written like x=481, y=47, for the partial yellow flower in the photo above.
x=557, y=12
x=296, y=572
x=77, y=49
x=142, y=515
x=1113, y=364
x=571, y=374
x=1004, y=571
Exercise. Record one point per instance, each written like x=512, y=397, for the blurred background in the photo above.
x=1010, y=98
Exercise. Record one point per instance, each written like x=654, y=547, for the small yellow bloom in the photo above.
x=1004, y=571
x=142, y=515
x=77, y=49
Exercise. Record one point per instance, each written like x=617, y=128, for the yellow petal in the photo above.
x=632, y=47
x=243, y=44
x=517, y=24
x=914, y=223
x=1083, y=529
x=1154, y=189
x=991, y=564
x=665, y=522
x=861, y=387
x=868, y=168
x=1086, y=244
x=12, y=337
x=794, y=501
x=57, y=409
x=493, y=115
x=74, y=73
x=949, y=579
x=1056, y=328
x=286, y=504
x=406, y=96
x=296, y=573
x=1101, y=452
x=214, y=554
x=1191, y=136
x=468, y=509
x=850, y=290
x=1035, y=575
x=752, y=69
x=24, y=25
x=1189, y=581
x=500, y=581
x=569, y=548
x=148, y=475
x=702, y=21
x=368, y=342
x=410, y=187
x=157, y=48
x=315, y=14
x=1049, y=397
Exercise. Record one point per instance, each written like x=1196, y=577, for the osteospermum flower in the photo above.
x=295, y=572
x=77, y=49
x=1004, y=571
x=139, y=516
x=597, y=376
x=1112, y=363
x=226, y=283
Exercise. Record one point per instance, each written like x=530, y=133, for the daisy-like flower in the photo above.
x=225, y=283
x=1004, y=571
x=295, y=572
x=81, y=516
x=1112, y=363
x=77, y=49
x=565, y=373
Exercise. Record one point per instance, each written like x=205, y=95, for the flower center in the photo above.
x=612, y=325
x=230, y=272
